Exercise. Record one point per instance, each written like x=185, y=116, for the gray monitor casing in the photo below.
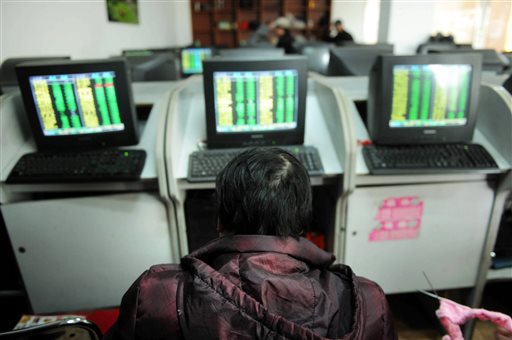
x=355, y=60
x=251, y=52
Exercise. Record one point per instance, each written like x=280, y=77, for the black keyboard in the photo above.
x=79, y=166
x=204, y=165
x=427, y=159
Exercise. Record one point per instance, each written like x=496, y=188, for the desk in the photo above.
x=80, y=245
x=458, y=211
x=185, y=127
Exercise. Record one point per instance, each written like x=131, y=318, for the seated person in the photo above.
x=342, y=35
x=260, y=279
x=285, y=39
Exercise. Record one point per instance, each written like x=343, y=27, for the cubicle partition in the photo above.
x=401, y=228
x=79, y=246
x=495, y=124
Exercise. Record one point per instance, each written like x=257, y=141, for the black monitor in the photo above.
x=318, y=58
x=492, y=60
x=255, y=102
x=192, y=59
x=79, y=104
x=158, y=67
x=355, y=60
x=252, y=52
x=423, y=98
x=8, y=80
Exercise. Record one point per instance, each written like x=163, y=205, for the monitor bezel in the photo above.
x=184, y=74
x=257, y=138
x=380, y=101
x=128, y=136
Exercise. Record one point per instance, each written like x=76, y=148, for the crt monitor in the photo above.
x=318, y=58
x=492, y=60
x=192, y=59
x=255, y=102
x=158, y=67
x=252, y=52
x=8, y=80
x=79, y=104
x=355, y=60
x=423, y=98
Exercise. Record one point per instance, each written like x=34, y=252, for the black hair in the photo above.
x=264, y=191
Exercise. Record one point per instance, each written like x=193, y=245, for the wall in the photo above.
x=81, y=28
x=410, y=24
x=352, y=15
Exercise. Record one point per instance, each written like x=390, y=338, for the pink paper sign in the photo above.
x=399, y=218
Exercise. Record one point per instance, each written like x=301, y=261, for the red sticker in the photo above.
x=399, y=218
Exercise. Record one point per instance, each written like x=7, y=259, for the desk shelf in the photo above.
x=499, y=274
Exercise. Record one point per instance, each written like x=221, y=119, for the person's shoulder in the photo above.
x=158, y=275
x=371, y=290
x=167, y=267
x=376, y=311
x=371, y=305
x=153, y=296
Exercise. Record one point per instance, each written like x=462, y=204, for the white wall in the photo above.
x=352, y=15
x=410, y=24
x=81, y=28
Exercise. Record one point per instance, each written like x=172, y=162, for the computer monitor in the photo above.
x=255, y=102
x=78, y=104
x=8, y=80
x=355, y=60
x=252, y=52
x=423, y=98
x=192, y=59
x=158, y=67
x=318, y=57
x=492, y=60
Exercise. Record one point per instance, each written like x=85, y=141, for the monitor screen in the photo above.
x=430, y=95
x=78, y=104
x=257, y=102
x=192, y=60
x=423, y=98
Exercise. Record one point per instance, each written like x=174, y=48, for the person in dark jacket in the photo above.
x=260, y=279
x=342, y=36
x=285, y=39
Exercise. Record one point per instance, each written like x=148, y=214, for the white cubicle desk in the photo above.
x=454, y=220
x=83, y=252
x=186, y=131
x=17, y=141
